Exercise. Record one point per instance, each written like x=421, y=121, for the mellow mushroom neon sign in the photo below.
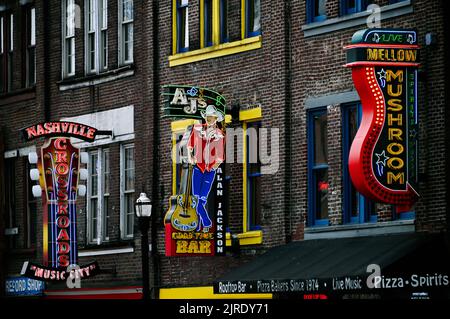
x=383, y=156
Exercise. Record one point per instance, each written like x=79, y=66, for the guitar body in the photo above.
x=182, y=216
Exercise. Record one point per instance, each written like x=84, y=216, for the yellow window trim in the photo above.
x=253, y=237
x=202, y=24
x=216, y=51
x=243, y=18
x=251, y=114
x=206, y=292
x=247, y=116
x=216, y=27
x=174, y=26
x=181, y=125
x=215, y=22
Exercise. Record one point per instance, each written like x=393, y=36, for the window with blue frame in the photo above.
x=318, y=184
x=403, y=215
x=182, y=26
x=357, y=208
x=208, y=21
x=315, y=10
x=395, y=1
x=224, y=21
x=253, y=177
x=253, y=18
x=354, y=6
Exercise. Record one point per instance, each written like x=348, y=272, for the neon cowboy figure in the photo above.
x=206, y=152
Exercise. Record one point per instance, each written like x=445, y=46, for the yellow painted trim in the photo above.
x=205, y=293
x=202, y=24
x=244, y=179
x=216, y=22
x=251, y=114
x=174, y=164
x=228, y=118
x=216, y=51
x=181, y=125
x=243, y=18
x=174, y=27
x=247, y=237
x=254, y=237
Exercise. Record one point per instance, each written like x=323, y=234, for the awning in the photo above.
x=414, y=261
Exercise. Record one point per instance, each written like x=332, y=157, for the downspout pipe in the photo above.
x=446, y=40
x=157, y=207
x=288, y=121
x=46, y=42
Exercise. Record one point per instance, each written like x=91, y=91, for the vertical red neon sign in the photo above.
x=383, y=156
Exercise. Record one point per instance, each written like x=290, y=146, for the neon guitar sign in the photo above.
x=195, y=220
x=383, y=156
x=61, y=162
x=58, y=167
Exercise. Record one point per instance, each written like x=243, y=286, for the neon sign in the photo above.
x=68, y=129
x=195, y=220
x=61, y=163
x=183, y=101
x=59, y=172
x=383, y=156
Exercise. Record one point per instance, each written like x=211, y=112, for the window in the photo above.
x=357, y=208
x=2, y=54
x=96, y=36
x=315, y=10
x=104, y=35
x=224, y=21
x=98, y=196
x=208, y=22
x=217, y=37
x=253, y=18
x=253, y=176
x=10, y=199
x=31, y=213
x=68, y=29
x=106, y=193
x=317, y=168
x=30, y=27
x=214, y=23
x=354, y=6
x=182, y=26
x=127, y=190
x=126, y=13
x=10, y=52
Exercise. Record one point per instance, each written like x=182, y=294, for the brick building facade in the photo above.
x=279, y=64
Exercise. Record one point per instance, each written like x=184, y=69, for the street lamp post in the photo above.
x=144, y=212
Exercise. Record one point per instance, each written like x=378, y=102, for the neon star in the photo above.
x=382, y=158
x=382, y=74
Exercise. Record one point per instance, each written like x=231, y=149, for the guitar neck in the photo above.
x=188, y=188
